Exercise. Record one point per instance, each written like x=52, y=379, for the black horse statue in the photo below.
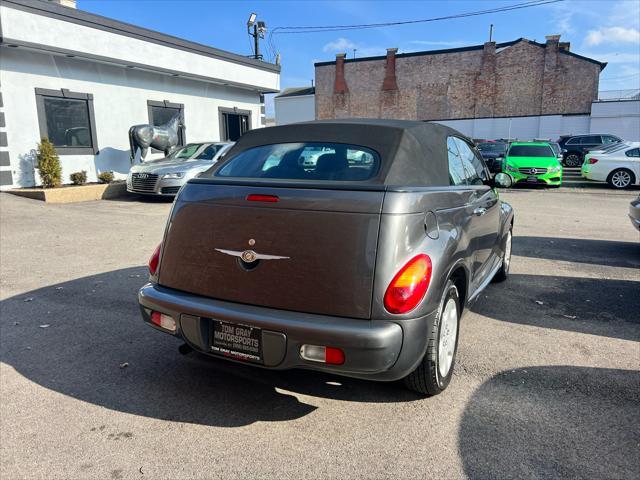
x=163, y=137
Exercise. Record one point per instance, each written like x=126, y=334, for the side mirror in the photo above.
x=503, y=180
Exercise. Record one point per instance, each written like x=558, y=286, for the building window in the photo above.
x=161, y=112
x=67, y=120
x=233, y=123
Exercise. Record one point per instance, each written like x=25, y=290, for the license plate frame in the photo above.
x=237, y=341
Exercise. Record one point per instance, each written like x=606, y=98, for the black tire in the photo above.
x=502, y=274
x=426, y=377
x=621, y=178
x=573, y=159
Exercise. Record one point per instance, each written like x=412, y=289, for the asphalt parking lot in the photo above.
x=546, y=385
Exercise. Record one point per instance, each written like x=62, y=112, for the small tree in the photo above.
x=48, y=164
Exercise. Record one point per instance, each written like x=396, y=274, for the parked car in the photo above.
x=533, y=162
x=557, y=150
x=493, y=154
x=575, y=146
x=353, y=268
x=620, y=166
x=634, y=213
x=166, y=175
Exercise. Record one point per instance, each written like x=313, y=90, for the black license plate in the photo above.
x=241, y=342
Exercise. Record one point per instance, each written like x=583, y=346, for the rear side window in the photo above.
x=609, y=139
x=591, y=140
x=457, y=175
x=303, y=161
x=634, y=152
x=531, y=151
x=473, y=166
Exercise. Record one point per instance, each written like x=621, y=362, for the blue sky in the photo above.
x=608, y=31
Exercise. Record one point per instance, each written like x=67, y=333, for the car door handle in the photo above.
x=480, y=211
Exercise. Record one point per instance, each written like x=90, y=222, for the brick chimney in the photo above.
x=340, y=85
x=553, y=41
x=390, y=71
x=564, y=46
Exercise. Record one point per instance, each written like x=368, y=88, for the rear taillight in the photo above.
x=154, y=260
x=409, y=285
x=322, y=354
x=592, y=161
x=163, y=321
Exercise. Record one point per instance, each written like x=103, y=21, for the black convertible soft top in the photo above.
x=412, y=153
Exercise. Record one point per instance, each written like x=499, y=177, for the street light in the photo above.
x=259, y=29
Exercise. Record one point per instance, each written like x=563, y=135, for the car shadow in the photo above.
x=595, y=306
x=553, y=422
x=85, y=339
x=595, y=252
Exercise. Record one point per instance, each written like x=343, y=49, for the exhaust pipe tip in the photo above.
x=185, y=349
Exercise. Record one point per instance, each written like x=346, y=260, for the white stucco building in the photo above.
x=82, y=80
x=295, y=105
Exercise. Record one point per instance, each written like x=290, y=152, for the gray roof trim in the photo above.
x=7, y=42
x=99, y=22
x=297, y=92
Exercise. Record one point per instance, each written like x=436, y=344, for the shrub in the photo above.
x=48, y=164
x=79, y=178
x=106, y=177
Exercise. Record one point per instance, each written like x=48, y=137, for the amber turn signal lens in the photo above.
x=409, y=286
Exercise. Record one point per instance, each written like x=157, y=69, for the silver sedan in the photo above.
x=165, y=176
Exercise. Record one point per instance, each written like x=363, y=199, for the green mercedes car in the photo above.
x=533, y=162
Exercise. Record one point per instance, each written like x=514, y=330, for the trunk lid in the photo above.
x=328, y=238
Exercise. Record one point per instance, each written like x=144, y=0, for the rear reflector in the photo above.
x=163, y=321
x=318, y=353
x=154, y=260
x=255, y=197
x=592, y=161
x=409, y=286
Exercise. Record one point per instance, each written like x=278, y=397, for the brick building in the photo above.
x=512, y=79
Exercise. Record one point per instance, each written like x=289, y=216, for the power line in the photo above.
x=335, y=28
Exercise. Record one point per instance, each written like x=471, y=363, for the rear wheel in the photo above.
x=434, y=373
x=572, y=160
x=621, y=178
x=503, y=273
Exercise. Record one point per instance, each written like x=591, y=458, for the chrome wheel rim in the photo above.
x=621, y=179
x=448, y=334
x=572, y=161
x=507, y=252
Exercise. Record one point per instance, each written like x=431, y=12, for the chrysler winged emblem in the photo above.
x=249, y=256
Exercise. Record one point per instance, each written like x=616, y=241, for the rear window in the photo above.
x=492, y=147
x=303, y=161
x=531, y=151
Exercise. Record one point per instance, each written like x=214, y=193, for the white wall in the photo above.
x=120, y=100
x=620, y=118
x=59, y=35
x=523, y=128
x=300, y=108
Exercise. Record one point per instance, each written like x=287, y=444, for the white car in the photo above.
x=620, y=166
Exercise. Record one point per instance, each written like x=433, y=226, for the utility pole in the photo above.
x=354, y=52
x=491, y=32
x=259, y=29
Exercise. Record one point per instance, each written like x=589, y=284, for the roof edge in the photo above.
x=459, y=50
x=100, y=22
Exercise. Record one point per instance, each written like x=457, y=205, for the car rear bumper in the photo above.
x=374, y=349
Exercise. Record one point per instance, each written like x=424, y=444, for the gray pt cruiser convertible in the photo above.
x=360, y=263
